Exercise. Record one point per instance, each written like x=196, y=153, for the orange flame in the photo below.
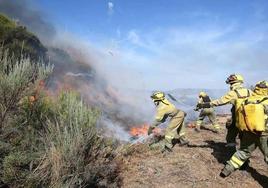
x=191, y=125
x=143, y=130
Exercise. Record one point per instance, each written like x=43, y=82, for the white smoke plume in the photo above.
x=110, y=8
x=84, y=68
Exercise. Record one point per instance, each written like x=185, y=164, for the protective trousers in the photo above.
x=175, y=129
x=249, y=142
x=207, y=112
x=232, y=130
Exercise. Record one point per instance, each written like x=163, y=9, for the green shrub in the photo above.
x=74, y=154
x=17, y=79
x=17, y=167
x=20, y=42
x=49, y=142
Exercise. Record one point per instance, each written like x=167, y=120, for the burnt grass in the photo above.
x=197, y=165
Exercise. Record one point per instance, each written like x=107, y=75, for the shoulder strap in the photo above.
x=240, y=96
x=256, y=102
x=248, y=93
x=164, y=102
x=237, y=93
x=264, y=99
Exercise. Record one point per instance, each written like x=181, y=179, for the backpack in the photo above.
x=240, y=99
x=206, y=99
x=251, y=115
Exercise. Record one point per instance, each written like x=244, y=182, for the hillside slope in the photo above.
x=198, y=165
x=19, y=41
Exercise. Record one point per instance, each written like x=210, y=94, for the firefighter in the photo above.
x=237, y=91
x=252, y=121
x=175, y=131
x=206, y=112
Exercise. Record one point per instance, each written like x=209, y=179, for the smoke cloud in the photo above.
x=21, y=11
x=118, y=74
x=110, y=8
x=83, y=67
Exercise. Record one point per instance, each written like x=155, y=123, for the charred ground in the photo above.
x=198, y=165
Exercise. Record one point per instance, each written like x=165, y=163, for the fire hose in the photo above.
x=174, y=99
x=142, y=139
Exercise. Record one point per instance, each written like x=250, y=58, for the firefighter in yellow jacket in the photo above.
x=175, y=130
x=237, y=91
x=252, y=121
x=206, y=112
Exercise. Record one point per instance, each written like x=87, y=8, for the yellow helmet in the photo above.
x=158, y=96
x=202, y=94
x=261, y=88
x=234, y=78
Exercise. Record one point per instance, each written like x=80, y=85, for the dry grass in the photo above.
x=196, y=166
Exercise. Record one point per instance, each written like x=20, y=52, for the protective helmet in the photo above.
x=202, y=94
x=158, y=96
x=234, y=78
x=261, y=88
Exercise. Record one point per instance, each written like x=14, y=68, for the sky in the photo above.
x=169, y=44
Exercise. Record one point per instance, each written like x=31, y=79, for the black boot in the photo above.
x=166, y=149
x=183, y=141
x=245, y=165
x=227, y=170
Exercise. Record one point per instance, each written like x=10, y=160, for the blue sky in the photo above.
x=167, y=44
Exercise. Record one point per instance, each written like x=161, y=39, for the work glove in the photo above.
x=204, y=105
x=150, y=130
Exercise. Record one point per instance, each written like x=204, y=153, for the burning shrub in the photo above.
x=17, y=78
x=17, y=135
x=45, y=141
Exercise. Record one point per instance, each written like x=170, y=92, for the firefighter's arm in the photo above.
x=200, y=101
x=226, y=99
x=159, y=117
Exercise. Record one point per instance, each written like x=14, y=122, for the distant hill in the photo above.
x=187, y=100
x=19, y=41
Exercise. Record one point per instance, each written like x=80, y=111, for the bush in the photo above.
x=49, y=142
x=74, y=154
x=17, y=79
x=17, y=167
x=19, y=41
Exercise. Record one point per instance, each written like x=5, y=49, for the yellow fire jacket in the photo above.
x=164, y=110
x=236, y=91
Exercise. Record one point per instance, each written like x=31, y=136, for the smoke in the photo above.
x=110, y=8
x=109, y=77
x=77, y=66
x=21, y=11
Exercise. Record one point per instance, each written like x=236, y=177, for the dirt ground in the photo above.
x=198, y=165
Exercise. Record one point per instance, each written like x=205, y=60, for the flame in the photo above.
x=191, y=125
x=142, y=130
